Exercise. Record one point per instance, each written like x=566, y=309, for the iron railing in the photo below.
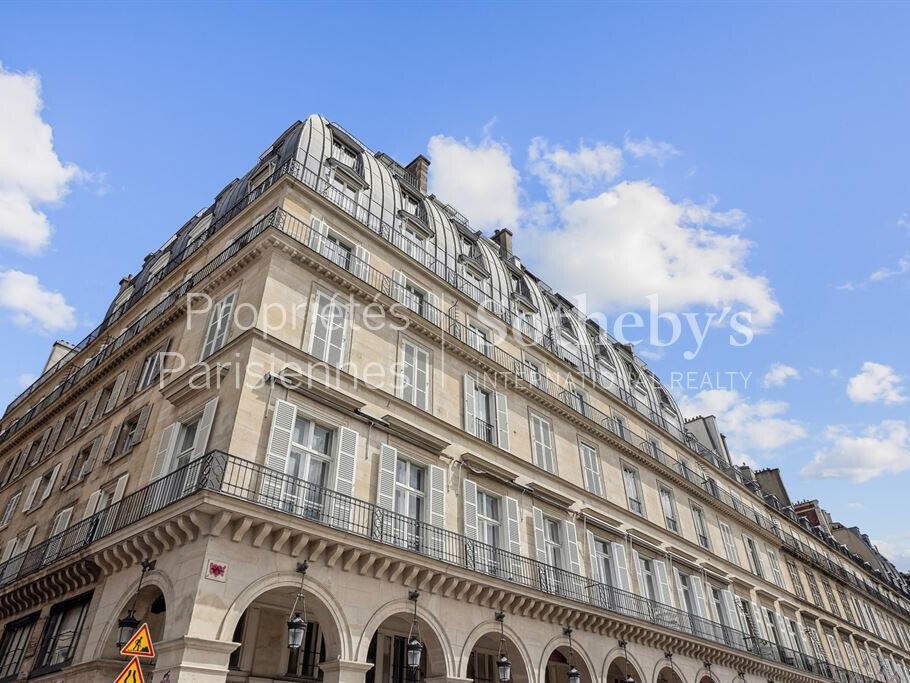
x=397, y=237
x=243, y=479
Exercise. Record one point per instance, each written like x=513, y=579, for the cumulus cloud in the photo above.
x=779, y=374
x=876, y=383
x=616, y=243
x=31, y=305
x=633, y=241
x=758, y=426
x=647, y=148
x=565, y=173
x=31, y=174
x=479, y=180
x=874, y=451
x=896, y=549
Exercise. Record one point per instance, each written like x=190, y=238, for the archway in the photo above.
x=385, y=641
x=622, y=670
x=561, y=660
x=481, y=662
x=262, y=631
x=667, y=674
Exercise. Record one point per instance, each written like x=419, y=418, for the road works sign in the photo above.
x=140, y=645
x=131, y=674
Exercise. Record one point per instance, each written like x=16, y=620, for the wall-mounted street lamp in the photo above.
x=415, y=646
x=297, y=623
x=503, y=665
x=128, y=625
x=625, y=662
x=573, y=675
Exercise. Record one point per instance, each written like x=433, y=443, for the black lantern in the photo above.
x=297, y=623
x=574, y=675
x=503, y=665
x=625, y=662
x=414, y=647
x=128, y=625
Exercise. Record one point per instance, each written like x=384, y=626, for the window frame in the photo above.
x=665, y=493
x=60, y=610
x=229, y=301
x=639, y=498
x=28, y=623
x=534, y=442
x=699, y=519
x=598, y=488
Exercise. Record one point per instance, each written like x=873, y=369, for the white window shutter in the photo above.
x=636, y=561
x=120, y=488
x=422, y=378
x=62, y=521
x=115, y=394
x=318, y=232
x=345, y=467
x=502, y=421
x=470, y=509
x=9, y=548
x=338, y=326
x=277, y=451
x=92, y=504
x=361, y=263
x=539, y=546
x=513, y=525
x=726, y=598
x=385, y=490
x=27, y=539
x=620, y=566
x=437, y=497
x=89, y=412
x=166, y=450
x=51, y=482
x=398, y=286
x=592, y=555
x=759, y=621
x=432, y=308
x=701, y=605
x=574, y=561
x=30, y=496
x=470, y=408
x=205, y=427
x=681, y=598
x=663, y=582
x=783, y=631
x=89, y=463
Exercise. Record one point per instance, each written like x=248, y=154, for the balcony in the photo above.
x=484, y=430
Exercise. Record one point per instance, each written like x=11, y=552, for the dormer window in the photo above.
x=159, y=264
x=344, y=154
x=261, y=175
x=199, y=229
x=345, y=192
x=409, y=203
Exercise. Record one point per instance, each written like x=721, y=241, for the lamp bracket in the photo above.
x=500, y=616
x=302, y=567
x=623, y=644
x=147, y=565
x=567, y=631
x=413, y=595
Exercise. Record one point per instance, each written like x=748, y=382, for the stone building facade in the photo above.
x=328, y=370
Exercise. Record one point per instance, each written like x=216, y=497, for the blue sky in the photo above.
x=772, y=135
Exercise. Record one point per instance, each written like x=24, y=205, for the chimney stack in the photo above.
x=420, y=167
x=503, y=237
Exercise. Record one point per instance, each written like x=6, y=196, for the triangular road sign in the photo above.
x=132, y=673
x=140, y=645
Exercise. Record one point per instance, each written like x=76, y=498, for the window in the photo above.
x=151, y=370
x=729, y=543
x=67, y=428
x=10, y=508
x=103, y=400
x=61, y=635
x=410, y=490
x=345, y=193
x=219, y=324
x=337, y=250
x=415, y=381
x=794, y=577
x=308, y=465
x=329, y=332
x=129, y=435
x=633, y=490
x=813, y=587
x=848, y=612
x=82, y=463
x=577, y=399
x=542, y=437
x=533, y=372
x=479, y=339
x=648, y=577
x=488, y=521
x=484, y=415
x=553, y=542
x=590, y=463
x=603, y=557
x=415, y=297
x=753, y=556
x=668, y=506
x=686, y=593
x=775, y=568
x=701, y=527
x=829, y=593
x=619, y=423
x=13, y=644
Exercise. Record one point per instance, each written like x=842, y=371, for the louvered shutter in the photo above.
x=201, y=442
x=539, y=544
x=783, y=631
x=8, y=549
x=385, y=489
x=115, y=393
x=361, y=265
x=39, y=451
x=50, y=482
x=399, y=293
x=90, y=409
x=701, y=605
x=619, y=565
x=130, y=387
x=639, y=576
x=30, y=496
x=318, y=231
x=470, y=407
x=759, y=621
x=432, y=308
x=470, y=509
x=592, y=556
x=120, y=488
x=91, y=506
x=89, y=464
x=77, y=421
x=112, y=443
x=663, y=582
x=55, y=435
x=502, y=421
x=27, y=539
x=345, y=467
x=277, y=452
x=437, y=517
x=513, y=525
x=141, y=426
x=166, y=450
x=574, y=561
x=337, y=338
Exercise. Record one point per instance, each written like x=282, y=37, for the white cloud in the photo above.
x=779, y=374
x=877, y=450
x=31, y=174
x=876, y=383
x=633, y=241
x=25, y=379
x=896, y=549
x=647, y=148
x=33, y=306
x=761, y=426
x=479, y=180
x=883, y=273
x=565, y=173
x=856, y=506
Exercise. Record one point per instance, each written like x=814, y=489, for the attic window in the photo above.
x=261, y=175
x=159, y=264
x=344, y=154
x=199, y=228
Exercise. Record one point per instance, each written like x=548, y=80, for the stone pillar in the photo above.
x=344, y=671
x=193, y=660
